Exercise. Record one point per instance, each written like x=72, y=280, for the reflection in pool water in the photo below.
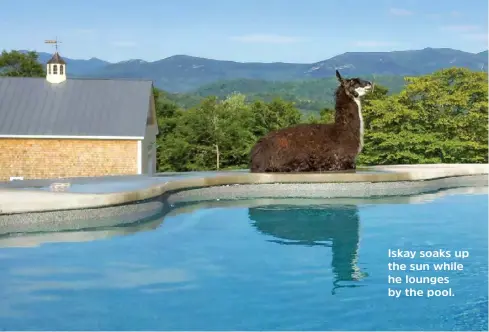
x=249, y=265
x=336, y=227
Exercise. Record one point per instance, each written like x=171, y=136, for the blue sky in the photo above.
x=302, y=31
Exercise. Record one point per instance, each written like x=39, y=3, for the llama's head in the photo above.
x=354, y=87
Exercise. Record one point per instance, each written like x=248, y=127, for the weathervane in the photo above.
x=55, y=42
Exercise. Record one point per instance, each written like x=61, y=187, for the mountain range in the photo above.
x=183, y=74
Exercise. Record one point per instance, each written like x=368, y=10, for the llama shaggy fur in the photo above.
x=317, y=147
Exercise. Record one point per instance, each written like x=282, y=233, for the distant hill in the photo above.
x=181, y=73
x=309, y=95
x=315, y=89
x=77, y=67
x=483, y=56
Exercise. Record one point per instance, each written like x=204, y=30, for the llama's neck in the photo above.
x=349, y=116
x=359, y=106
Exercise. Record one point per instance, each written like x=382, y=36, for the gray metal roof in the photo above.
x=76, y=107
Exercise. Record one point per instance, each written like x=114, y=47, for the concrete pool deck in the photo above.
x=31, y=196
x=151, y=215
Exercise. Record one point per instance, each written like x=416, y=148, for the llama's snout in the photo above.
x=365, y=87
x=365, y=84
x=369, y=86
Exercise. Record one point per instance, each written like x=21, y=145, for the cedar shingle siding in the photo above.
x=58, y=158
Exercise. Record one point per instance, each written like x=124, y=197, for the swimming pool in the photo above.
x=273, y=264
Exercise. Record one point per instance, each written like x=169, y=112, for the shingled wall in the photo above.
x=59, y=158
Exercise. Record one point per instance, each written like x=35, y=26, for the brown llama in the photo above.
x=317, y=147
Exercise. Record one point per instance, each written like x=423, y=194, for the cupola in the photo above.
x=56, y=69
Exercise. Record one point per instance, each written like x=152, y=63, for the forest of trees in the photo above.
x=436, y=118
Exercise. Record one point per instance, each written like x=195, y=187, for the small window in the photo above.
x=55, y=69
x=61, y=69
x=49, y=69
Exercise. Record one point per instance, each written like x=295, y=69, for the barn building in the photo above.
x=55, y=127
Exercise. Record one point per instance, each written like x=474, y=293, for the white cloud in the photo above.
x=400, y=12
x=460, y=28
x=267, y=39
x=373, y=43
x=124, y=43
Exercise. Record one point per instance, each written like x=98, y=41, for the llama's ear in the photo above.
x=339, y=76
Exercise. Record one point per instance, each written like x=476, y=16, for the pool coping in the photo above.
x=30, y=230
x=17, y=201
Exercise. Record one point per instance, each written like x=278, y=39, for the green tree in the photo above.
x=214, y=135
x=326, y=115
x=379, y=92
x=171, y=148
x=238, y=134
x=167, y=113
x=438, y=118
x=17, y=64
x=271, y=116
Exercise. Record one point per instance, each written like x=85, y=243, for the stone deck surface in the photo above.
x=33, y=196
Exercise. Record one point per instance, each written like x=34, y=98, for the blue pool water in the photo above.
x=261, y=267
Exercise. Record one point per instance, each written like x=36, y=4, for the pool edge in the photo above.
x=15, y=201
